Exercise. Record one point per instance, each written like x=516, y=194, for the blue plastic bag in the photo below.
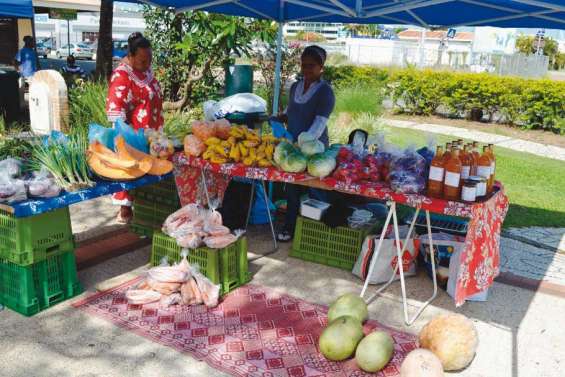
x=102, y=134
x=133, y=138
x=279, y=130
x=55, y=137
x=259, y=213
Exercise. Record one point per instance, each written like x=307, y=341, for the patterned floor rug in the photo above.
x=255, y=331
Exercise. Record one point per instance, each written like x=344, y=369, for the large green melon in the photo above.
x=348, y=304
x=374, y=351
x=339, y=340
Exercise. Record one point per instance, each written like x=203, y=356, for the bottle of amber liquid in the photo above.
x=437, y=174
x=452, y=180
x=493, y=163
x=466, y=163
x=447, y=154
x=484, y=168
x=474, y=159
x=476, y=154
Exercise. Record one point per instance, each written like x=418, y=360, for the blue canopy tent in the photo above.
x=548, y=14
x=426, y=13
x=16, y=8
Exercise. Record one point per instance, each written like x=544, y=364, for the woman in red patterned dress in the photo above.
x=134, y=96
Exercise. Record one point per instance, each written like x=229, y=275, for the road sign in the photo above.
x=451, y=33
x=63, y=14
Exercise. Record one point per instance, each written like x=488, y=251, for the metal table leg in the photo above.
x=399, y=252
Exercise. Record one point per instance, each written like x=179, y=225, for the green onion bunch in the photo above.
x=65, y=160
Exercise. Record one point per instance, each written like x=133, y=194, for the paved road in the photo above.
x=56, y=64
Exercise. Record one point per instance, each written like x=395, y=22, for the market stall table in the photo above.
x=36, y=206
x=480, y=255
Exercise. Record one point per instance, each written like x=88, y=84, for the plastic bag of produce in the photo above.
x=133, y=138
x=142, y=296
x=11, y=167
x=407, y=172
x=170, y=300
x=210, y=292
x=161, y=147
x=203, y=130
x=168, y=274
x=12, y=189
x=219, y=242
x=223, y=128
x=42, y=185
x=193, y=146
x=183, y=215
x=102, y=134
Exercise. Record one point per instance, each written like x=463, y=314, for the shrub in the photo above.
x=350, y=75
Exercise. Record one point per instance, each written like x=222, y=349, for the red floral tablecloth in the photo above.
x=480, y=257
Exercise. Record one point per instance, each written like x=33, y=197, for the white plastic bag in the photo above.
x=387, y=258
x=11, y=167
x=12, y=189
x=242, y=102
x=42, y=185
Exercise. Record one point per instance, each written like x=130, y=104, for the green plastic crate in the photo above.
x=149, y=216
x=227, y=267
x=316, y=242
x=164, y=192
x=31, y=289
x=29, y=240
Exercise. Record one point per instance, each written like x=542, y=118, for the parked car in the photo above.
x=119, y=49
x=42, y=50
x=78, y=50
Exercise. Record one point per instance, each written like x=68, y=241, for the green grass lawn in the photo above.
x=534, y=185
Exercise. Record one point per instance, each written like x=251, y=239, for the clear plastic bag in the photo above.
x=42, y=185
x=11, y=167
x=210, y=292
x=407, y=172
x=12, y=189
x=193, y=146
x=219, y=242
x=142, y=296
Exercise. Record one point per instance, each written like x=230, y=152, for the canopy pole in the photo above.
x=278, y=63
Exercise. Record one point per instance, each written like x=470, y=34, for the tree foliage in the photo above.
x=265, y=60
x=528, y=44
x=191, y=49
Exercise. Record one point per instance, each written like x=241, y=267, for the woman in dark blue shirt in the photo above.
x=311, y=101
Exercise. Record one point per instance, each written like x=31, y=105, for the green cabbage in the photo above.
x=294, y=163
x=282, y=151
x=310, y=148
x=321, y=165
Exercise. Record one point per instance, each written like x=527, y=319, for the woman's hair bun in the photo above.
x=136, y=40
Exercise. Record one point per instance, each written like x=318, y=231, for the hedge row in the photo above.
x=526, y=103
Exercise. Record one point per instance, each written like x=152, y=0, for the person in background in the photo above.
x=134, y=96
x=26, y=58
x=311, y=101
x=72, y=69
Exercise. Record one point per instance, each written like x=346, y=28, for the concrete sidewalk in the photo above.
x=543, y=150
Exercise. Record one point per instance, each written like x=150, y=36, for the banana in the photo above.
x=270, y=150
x=220, y=150
x=225, y=144
x=218, y=160
x=264, y=163
x=250, y=143
x=212, y=141
x=235, y=154
x=248, y=161
x=208, y=154
x=261, y=148
x=243, y=150
x=236, y=133
x=232, y=140
x=253, y=153
x=260, y=156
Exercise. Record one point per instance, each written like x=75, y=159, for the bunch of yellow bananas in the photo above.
x=243, y=145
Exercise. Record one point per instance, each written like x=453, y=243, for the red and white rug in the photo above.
x=255, y=331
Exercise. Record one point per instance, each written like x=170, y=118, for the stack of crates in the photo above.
x=338, y=247
x=37, y=261
x=227, y=267
x=152, y=205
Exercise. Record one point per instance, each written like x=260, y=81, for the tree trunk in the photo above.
x=104, y=51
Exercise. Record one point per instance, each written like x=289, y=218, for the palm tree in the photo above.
x=104, y=51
